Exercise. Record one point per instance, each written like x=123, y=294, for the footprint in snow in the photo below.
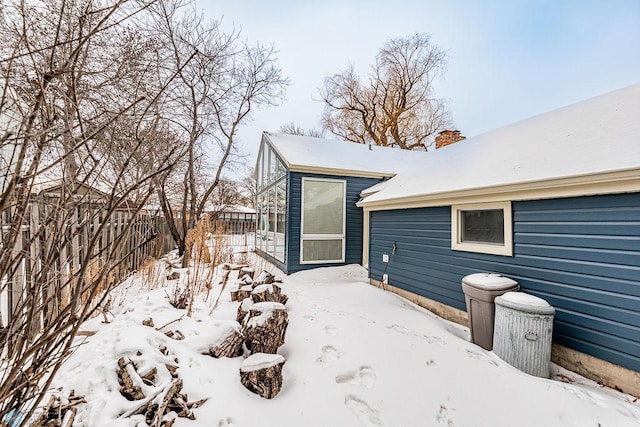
x=365, y=377
x=226, y=422
x=329, y=354
x=367, y=415
x=443, y=417
x=399, y=328
x=309, y=317
x=432, y=339
x=330, y=330
x=431, y=362
x=475, y=355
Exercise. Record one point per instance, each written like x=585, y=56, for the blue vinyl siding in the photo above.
x=353, y=248
x=581, y=254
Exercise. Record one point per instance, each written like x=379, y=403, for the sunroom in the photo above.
x=307, y=190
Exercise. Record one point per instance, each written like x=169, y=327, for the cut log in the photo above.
x=230, y=346
x=176, y=386
x=173, y=370
x=264, y=278
x=265, y=327
x=245, y=292
x=262, y=374
x=243, y=310
x=234, y=287
x=129, y=379
x=248, y=271
x=150, y=376
x=270, y=292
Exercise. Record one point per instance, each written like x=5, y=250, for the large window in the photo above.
x=323, y=221
x=483, y=227
x=272, y=199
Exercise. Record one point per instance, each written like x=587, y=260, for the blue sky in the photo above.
x=507, y=60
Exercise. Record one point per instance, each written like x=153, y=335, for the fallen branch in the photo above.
x=167, y=324
x=142, y=407
x=176, y=386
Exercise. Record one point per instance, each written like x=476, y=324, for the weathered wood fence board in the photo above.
x=62, y=247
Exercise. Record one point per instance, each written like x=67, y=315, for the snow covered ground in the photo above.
x=355, y=356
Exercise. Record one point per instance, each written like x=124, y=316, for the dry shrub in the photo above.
x=222, y=252
x=196, y=242
x=198, y=254
x=152, y=274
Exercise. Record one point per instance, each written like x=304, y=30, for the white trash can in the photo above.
x=523, y=331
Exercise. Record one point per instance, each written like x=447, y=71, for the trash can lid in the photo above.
x=489, y=281
x=525, y=302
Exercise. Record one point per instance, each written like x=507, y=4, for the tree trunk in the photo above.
x=266, y=293
x=245, y=292
x=231, y=346
x=262, y=374
x=266, y=327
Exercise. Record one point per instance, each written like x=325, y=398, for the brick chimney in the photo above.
x=448, y=137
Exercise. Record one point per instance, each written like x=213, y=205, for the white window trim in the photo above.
x=505, y=249
x=342, y=236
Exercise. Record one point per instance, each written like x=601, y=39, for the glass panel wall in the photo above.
x=323, y=225
x=272, y=203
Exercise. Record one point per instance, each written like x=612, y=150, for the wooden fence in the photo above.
x=121, y=243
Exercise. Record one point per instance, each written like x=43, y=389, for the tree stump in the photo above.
x=262, y=374
x=243, y=310
x=270, y=292
x=265, y=328
x=264, y=278
x=245, y=292
x=249, y=271
x=148, y=322
x=234, y=287
x=229, y=346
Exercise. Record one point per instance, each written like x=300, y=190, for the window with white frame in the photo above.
x=323, y=221
x=483, y=228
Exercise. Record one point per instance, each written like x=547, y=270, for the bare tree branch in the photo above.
x=395, y=107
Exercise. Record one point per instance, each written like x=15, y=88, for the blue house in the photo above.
x=552, y=202
x=307, y=190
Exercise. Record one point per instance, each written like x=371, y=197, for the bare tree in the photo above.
x=79, y=103
x=248, y=188
x=214, y=95
x=394, y=105
x=294, y=129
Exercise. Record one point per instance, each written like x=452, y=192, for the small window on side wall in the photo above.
x=483, y=228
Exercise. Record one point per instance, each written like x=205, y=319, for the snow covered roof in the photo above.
x=593, y=141
x=332, y=157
